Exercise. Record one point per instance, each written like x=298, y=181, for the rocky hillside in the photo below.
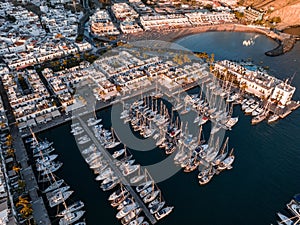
x=287, y=10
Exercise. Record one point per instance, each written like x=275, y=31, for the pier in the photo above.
x=117, y=171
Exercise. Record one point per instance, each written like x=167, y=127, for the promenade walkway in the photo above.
x=40, y=213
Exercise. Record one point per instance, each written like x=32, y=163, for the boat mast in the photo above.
x=199, y=135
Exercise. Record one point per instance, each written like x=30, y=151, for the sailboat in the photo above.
x=273, y=118
x=186, y=109
x=137, y=178
x=151, y=196
x=178, y=105
x=284, y=219
x=226, y=163
x=207, y=176
x=54, y=186
x=113, y=143
x=157, y=94
x=75, y=206
x=222, y=155
x=93, y=121
x=55, y=192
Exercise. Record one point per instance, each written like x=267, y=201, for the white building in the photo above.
x=101, y=24
x=283, y=93
x=164, y=21
x=204, y=18
x=124, y=12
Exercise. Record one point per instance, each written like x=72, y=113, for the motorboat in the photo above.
x=144, y=185
x=90, y=149
x=150, y=197
x=136, y=179
x=109, y=179
x=92, y=121
x=131, y=215
x=130, y=169
x=155, y=208
x=146, y=191
x=137, y=221
x=119, y=200
x=93, y=156
x=117, y=194
x=163, y=212
x=106, y=173
x=123, y=212
x=127, y=161
x=118, y=153
x=125, y=202
x=85, y=139
x=110, y=185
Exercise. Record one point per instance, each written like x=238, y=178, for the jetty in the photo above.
x=117, y=171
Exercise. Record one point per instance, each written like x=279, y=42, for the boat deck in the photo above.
x=117, y=171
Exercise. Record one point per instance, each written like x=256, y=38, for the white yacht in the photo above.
x=144, y=185
x=126, y=210
x=163, y=212
x=150, y=197
x=155, y=208
x=92, y=121
x=137, y=221
x=130, y=169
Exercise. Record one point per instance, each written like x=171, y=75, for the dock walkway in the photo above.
x=40, y=213
x=117, y=171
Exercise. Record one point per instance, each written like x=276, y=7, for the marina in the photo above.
x=103, y=122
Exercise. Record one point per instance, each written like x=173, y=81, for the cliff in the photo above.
x=287, y=10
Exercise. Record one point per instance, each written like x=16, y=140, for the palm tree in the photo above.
x=21, y=184
x=22, y=201
x=16, y=169
x=11, y=152
x=26, y=211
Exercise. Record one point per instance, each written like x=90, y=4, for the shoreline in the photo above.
x=285, y=41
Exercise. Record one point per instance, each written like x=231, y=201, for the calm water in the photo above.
x=266, y=170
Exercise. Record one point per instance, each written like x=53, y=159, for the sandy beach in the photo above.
x=171, y=35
